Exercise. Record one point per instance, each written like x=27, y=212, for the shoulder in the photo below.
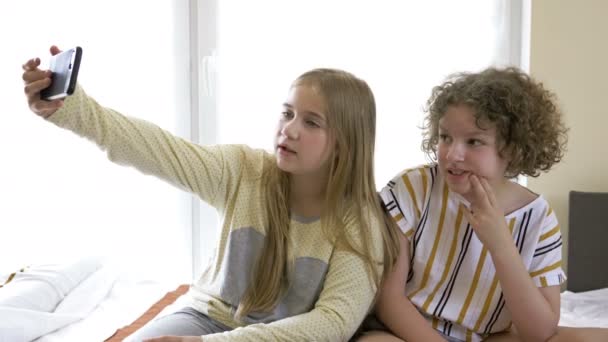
x=242, y=152
x=520, y=196
x=409, y=190
x=367, y=225
x=523, y=199
x=534, y=212
x=244, y=158
x=416, y=178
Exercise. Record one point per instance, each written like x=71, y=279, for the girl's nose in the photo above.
x=455, y=152
x=290, y=129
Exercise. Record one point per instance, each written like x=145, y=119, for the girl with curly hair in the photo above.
x=480, y=253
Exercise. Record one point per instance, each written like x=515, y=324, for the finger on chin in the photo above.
x=489, y=190
x=477, y=188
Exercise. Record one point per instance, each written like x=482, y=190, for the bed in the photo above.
x=584, y=306
x=100, y=302
x=585, y=301
x=82, y=300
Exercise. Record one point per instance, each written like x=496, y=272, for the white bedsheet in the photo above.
x=109, y=299
x=41, y=288
x=585, y=309
x=128, y=299
x=80, y=301
x=44, y=298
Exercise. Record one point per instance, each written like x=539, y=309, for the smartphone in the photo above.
x=64, y=67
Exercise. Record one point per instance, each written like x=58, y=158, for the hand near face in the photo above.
x=486, y=217
x=176, y=339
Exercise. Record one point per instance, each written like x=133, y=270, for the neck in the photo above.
x=307, y=195
x=502, y=195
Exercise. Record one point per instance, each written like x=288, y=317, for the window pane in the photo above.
x=61, y=197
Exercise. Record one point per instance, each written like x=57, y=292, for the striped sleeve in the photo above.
x=546, y=267
x=405, y=195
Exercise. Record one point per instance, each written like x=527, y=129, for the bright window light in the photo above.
x=401, y=48
x=60, y=196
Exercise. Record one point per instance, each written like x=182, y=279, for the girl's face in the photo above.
x=302, y=143
x=465, y=149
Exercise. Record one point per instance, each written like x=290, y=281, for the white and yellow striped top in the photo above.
x=452, y=280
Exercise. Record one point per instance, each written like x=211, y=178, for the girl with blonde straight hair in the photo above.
x=302, y=244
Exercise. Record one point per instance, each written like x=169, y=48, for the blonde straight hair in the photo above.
x=350, y=196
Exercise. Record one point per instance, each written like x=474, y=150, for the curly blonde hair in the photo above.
x=529, y=124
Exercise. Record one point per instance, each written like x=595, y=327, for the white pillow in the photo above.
x=42, y=287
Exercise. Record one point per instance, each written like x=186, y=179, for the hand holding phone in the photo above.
x=64, y=67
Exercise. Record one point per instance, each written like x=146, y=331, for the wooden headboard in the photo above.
x=587, y=241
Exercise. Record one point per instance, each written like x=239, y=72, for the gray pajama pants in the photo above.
x=184, y=322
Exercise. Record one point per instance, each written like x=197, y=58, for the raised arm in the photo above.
x=395, y=310
x=128, y=141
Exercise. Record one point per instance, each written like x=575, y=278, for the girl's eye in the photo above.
x=475, y=142
x=287, y=114
x=312, y=123
x=443, y=137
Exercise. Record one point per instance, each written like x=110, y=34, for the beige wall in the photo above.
x=569, y=53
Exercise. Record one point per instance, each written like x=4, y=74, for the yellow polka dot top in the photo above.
x=330, y=291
